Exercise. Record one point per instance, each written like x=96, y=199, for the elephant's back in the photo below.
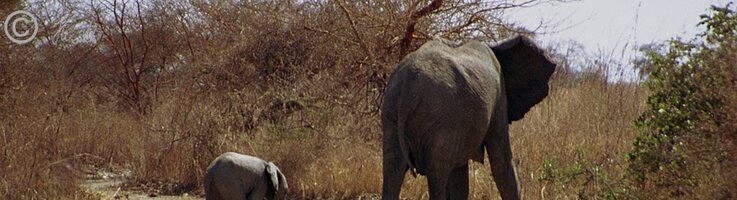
x=470, y=67
x=232, y=164
x=448, y=97
x=444, y=75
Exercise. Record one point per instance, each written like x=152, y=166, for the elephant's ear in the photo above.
x=526, y=72
x=273, y=174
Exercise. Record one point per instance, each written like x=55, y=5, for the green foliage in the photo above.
x=680, y=132
x=588, y=180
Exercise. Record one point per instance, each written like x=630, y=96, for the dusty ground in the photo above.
x=110, y=185
x=112, y=189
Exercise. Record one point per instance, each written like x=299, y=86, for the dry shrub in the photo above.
x=45, y=145
x=326, y=150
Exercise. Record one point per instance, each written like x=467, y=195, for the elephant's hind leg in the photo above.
x=394, y=164
x=458, y=183
x=226, y=187
x=437, y=181
x=258, y=192
x=393, y=178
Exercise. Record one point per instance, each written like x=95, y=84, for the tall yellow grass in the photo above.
x=326, y=150
x=589, y=122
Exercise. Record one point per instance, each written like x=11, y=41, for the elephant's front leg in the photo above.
x=394, y=165
x=458, y=183
x=500, y=158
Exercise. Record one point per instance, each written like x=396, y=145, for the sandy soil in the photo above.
x=109, y=185
x=111, y=188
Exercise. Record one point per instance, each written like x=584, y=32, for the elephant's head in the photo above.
x=278, y=185
x=526, y=72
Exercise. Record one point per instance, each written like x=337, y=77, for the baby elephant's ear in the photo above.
x=273, y=174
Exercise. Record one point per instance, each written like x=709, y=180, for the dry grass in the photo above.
x=341, y=156
x=590, y=122
x=327, y=150
x=586, y=123
x=65, y=110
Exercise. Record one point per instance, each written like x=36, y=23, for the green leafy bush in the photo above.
x=686, y=133
x=587, y=180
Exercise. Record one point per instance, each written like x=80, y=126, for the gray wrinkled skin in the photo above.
x=242, y=177
x=447, y=102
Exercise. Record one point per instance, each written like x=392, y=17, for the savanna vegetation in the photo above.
x=160, y=88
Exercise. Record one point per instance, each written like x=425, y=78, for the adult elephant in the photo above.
x=445, y=103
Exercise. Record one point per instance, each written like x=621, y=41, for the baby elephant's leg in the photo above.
x=259, y=192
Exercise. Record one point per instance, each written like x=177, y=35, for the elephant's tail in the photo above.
x=405, y=106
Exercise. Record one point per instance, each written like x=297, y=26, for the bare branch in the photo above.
x=358, y=35
x=407, y=40
x=331, y=34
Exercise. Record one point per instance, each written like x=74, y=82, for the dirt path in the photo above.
x=111, y=188
x=109, y=185
x=112, y=185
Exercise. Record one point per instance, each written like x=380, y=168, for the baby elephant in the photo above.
x=236, y=176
